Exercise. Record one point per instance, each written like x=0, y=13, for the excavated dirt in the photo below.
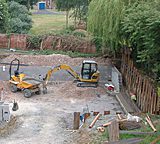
x=50, y=60
x=48, y=119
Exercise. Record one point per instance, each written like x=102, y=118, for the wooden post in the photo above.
x=1, y=94
x=151, y=124
x=113, y=130
x=76, y=120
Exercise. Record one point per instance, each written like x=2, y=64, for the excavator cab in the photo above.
x=88, y=69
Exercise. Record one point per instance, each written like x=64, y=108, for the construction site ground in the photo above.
x=48, y=119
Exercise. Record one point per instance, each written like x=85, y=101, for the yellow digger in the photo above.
x=19, y=81
x=89, y=73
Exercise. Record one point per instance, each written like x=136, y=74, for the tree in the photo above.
x=141, y=27
x=104, y=18
x=65, y=5
x=28, y=3
x=3, y=16
x=104, y=21
x=20, y=20
x=81, y=10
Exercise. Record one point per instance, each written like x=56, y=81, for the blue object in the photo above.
x=82, y=118
x=42, y=5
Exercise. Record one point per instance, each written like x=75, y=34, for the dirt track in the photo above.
x=45, y=119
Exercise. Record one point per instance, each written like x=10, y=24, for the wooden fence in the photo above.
x=143, y=87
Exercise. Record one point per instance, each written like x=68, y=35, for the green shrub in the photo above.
x=34, y=41
x=20, y=20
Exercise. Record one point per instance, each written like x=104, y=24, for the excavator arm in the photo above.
x=60, y=67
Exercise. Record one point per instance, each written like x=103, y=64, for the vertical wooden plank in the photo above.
x=157, y=102
x=113, y=130
x=143, y=92
x=138, y=101
x=139, y=91
x=130, y=69
x=149, y=98
x=134, y=78
x=131, y=75
x=147, y=95
x=152, y=101
x=76, y=120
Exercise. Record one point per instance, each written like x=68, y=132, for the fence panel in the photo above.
x=143, y=87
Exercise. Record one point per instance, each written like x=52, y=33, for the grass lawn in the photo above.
x=147, y=139
x=47, y=23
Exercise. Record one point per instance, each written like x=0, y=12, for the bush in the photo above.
x=34, y=41
x=20, y=20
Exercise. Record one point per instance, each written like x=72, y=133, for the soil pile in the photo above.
x=50, y=60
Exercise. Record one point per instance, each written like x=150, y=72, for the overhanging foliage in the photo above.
x=3, y=16
x=141, y=28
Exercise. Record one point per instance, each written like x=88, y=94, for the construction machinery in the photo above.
x=19, y=81
x=89, y=73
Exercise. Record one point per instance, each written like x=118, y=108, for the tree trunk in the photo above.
x=67, y=17
x=75, y=18
x=28, y=4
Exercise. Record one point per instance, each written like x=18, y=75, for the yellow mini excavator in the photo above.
x=19, y=81
x=89, y=73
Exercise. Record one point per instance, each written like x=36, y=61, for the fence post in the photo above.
x=76, y=120
x=113, y=130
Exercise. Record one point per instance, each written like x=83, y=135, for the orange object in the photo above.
x=106, y=124
x=94, y=121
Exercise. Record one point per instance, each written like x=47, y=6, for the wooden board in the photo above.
x=113, y=130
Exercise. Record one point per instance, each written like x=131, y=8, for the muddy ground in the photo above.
x=48, y=119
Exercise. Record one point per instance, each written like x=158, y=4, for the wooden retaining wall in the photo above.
x=143, y=87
